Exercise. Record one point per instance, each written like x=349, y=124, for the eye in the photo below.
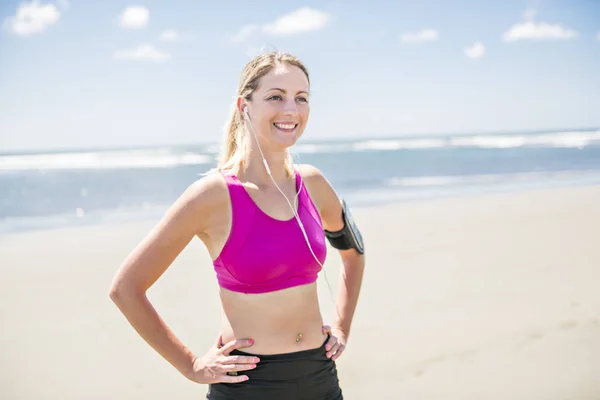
x=275, y=97
x=302, y=99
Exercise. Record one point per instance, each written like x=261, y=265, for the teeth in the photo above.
x=285, y=126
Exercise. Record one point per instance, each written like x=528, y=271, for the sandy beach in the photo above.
x=482, y=297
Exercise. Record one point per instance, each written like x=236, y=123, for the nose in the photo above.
x=290, y=107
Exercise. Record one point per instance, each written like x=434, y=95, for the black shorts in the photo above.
x=301, y=375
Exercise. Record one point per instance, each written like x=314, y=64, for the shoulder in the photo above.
x=203, y=200
x=316, y=183
x=209, y=189
x=311, y=175
x=323, y=196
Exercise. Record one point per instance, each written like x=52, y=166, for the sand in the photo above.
x=481, y=297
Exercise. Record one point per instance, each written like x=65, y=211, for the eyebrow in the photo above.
x=285, y=92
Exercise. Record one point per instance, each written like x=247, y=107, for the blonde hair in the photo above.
x=235, y=140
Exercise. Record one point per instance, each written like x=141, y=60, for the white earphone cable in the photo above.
x=293, y=208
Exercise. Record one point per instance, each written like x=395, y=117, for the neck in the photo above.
x=255, y=170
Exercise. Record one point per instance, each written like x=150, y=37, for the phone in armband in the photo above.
x=349, y=237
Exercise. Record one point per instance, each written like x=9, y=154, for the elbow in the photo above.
x=115, y=292
x=120, y=291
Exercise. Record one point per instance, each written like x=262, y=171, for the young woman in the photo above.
x=264, y=222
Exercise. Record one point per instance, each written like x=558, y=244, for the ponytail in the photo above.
x=232, y=141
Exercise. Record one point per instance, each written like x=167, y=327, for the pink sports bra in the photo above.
x=264, y=254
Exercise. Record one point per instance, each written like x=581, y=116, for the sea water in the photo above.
x=65, y=188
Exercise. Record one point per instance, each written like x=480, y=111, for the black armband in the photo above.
x=349, y=236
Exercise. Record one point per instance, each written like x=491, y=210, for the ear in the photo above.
x=240, y=104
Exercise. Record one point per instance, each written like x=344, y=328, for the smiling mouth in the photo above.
x=285, y=127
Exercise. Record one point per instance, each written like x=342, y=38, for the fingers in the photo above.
x=241, y=360
x=238, y=367
x=234, y=378
x=333, y=347
x=236, y=344
x=238, y=363
x=330, y=343
x=231, y=365
x=336, y=351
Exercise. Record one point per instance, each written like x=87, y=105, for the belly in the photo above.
x=279, y=322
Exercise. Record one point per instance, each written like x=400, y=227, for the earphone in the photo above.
x=293, y=208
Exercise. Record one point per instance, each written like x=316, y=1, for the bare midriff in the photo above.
x=282, y=321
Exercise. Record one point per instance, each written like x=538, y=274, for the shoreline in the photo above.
x=359, y=200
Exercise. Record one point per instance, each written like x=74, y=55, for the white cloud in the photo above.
x=32, y=18
x=299, y=21
x=475, y=51
x=424, y=35
x=537, y=30
x=170, y=35
x=134, y=17
x=144, y=52
x=64, y=4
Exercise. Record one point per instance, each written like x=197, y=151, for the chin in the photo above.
x=287, y=140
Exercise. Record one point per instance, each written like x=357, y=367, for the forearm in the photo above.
x=351, y=276
x=150, y=326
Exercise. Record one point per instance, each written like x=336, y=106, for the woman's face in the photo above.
x=279, y=107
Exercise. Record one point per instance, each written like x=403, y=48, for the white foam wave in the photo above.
x=556, y=139
x=425, y=143
x=422, y=181
x=575, y=139
x=167, y=157
x=311, y=148
x=160, y=158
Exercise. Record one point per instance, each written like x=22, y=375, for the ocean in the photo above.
x=44, y=190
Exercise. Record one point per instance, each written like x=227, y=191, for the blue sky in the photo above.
x=76, y=74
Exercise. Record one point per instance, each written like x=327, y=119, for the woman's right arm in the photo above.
x=187, y=217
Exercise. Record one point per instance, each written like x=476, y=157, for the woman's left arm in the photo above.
x=353, y=263
x=351, y=275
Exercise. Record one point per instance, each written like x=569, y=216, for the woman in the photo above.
x=264, y=223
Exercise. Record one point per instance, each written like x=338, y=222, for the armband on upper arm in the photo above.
x=349, y=237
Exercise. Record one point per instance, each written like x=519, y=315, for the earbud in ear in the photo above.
x=245, y=111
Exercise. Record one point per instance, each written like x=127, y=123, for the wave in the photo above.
x=573, y=139
x=311, y=148
x=461, y=180
x=166, y=157
x=154, y=158
x=425, y=143
x=556, y=139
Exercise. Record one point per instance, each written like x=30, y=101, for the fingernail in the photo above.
x=250, y=341
x=253, y=365
x=246, y=378
x=256, y=359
